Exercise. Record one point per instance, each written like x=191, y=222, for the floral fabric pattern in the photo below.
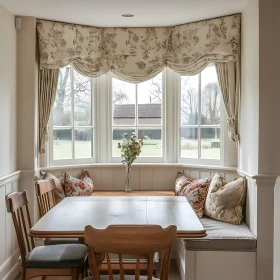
x=180, y=184
x=196, y=193
x=138, y=54
x=225, y=201
x=74, y=186
x=87, y=179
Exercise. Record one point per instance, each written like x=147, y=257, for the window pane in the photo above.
x=118, y=135
x=62, y=144
x=152, y=146
x=210, y=96
x=62, y=105
x=82, y=100
x=189, y=142
x=210, y=142
x=149, y=96
x=189, y=100
x=123, y=95
x=83, y=143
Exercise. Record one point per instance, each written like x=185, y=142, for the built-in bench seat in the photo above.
x=223, y=237
x=228, y=252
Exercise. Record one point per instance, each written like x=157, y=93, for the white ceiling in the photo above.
x=107, y=13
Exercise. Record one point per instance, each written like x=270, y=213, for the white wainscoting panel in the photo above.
x=143, y=176
x=9, y=252
x=112, y=177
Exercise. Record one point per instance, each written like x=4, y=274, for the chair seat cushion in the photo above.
x=57, y=256
x=58, y=241
x=117, y=277
x=223, y=237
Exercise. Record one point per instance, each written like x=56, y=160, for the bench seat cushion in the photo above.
x=223, y=237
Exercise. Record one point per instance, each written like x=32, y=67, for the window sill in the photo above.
x=163, y=165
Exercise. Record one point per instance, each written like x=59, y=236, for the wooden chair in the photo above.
x=44, y=190
x=135, y=240
x=45, y=195
x=66, y=259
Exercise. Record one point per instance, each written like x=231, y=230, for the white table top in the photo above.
x=69, y=217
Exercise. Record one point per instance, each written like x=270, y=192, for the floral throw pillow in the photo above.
x=225, y=201
x=74, y=186
x=86, y=178
x=180, y=184
x=196, y=193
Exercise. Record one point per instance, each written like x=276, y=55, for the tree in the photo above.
x=62, y=103
x=156, y=90
x=120, y=96
x=211, y=103
x=189, y=102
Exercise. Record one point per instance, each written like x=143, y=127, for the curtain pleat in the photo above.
x=229, y=80
x=48, y=79
x=138, y=54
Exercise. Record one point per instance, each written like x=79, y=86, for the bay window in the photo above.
x=200, y=118
x=138, y=108
x=72, y=121
x=182, y=116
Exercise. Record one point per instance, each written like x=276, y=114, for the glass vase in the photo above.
x=128, y=177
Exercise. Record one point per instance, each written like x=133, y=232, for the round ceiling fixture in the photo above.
x=127, y=15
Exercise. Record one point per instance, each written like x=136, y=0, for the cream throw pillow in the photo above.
x=59, y=193
x=225, y=201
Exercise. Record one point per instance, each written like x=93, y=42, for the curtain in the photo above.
x=138, y=54
x=48, y=79
x=229, y=80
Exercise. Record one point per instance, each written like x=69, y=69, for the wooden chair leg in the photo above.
x=75, y=274
x=23, y=274
x=86, y=270
x=44, y=277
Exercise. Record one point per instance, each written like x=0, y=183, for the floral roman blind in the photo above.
x=138, y=54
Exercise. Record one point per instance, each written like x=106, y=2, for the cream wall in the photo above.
x=269, y=152
x=8, y=108
x=249, y=115
x=26, y=93
x=260, y=130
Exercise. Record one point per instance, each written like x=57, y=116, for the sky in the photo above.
x=207, y=75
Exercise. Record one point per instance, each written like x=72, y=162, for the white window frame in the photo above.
x=137, y=126
x=199, y=160
x=75, y=161
x=171, y=114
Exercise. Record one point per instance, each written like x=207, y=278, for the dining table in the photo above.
x=69, y=217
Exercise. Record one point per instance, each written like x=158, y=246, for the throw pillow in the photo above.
x=74, y=186
x=86, y=178
x=225, y=201
x=196, y=193
x=181, y=183
x=59, y=191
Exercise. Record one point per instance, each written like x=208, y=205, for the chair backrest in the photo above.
x=17, y=205
x=45, y=195
x=130, y=239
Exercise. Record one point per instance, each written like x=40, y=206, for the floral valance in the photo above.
x=138, y=54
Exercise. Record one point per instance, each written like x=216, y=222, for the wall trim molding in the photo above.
x=7, y=273
x=261, y=179
x=10, y=177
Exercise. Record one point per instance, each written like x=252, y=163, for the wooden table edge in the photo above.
x=36, y=234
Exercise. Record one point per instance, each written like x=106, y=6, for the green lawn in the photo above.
x=151, y=148
x=62, y=149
